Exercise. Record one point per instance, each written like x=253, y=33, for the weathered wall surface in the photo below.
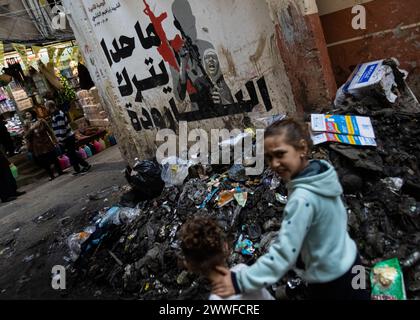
x=301, y=43
x=393, y=30
x=139, y=58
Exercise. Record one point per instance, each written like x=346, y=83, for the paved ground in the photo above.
x=33, y=228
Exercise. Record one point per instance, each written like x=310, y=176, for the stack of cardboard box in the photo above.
x=22, y=100
x=92, y=108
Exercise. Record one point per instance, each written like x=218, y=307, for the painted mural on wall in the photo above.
x=161, y=52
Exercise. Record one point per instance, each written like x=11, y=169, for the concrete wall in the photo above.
x=301, y=43
x=393, y=30
x=245, y=40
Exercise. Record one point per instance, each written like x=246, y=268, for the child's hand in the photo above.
x=222, y=283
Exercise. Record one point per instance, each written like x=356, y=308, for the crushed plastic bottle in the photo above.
x=412, y=260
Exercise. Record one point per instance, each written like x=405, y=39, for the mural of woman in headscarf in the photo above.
x=199, y=65
x=221, y=93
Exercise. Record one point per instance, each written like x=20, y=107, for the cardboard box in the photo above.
x=349, y=125
x=99, y=123
x=343, y=138
x=81, y=123
x=94, y=93
x=24, y=104
x=368, y=79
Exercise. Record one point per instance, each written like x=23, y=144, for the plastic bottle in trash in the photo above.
x=412, y=260
x=88, y=151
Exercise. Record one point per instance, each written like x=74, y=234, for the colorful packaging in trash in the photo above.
x=225, y=197
x=208, y=198
x=387, y=281
x=245, y=246
x=342, y=138
x=241, y=198
x=348, y=125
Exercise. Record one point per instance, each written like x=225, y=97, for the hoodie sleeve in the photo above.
x=284, y=251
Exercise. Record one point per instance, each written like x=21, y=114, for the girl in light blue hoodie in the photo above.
x=314, y=225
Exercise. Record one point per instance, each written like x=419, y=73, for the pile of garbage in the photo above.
x=136, y=250
x=133, y=247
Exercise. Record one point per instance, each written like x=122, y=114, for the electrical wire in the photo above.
x=22, y=10
x=34, y=20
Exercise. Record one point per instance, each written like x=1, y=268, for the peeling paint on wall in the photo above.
x=231, y=69
x=302, y=48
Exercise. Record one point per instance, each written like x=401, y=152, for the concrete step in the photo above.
x=19, y=159
x=23, y=180
x=26, y=165
x=27, y=171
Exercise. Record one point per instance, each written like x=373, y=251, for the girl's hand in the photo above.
x=222, y=283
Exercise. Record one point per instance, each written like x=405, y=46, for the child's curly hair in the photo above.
x=203, y=244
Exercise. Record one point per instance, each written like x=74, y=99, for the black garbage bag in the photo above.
x=145, y=180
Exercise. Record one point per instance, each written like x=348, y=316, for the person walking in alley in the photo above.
x=314, y=227
x=66, y=137
x=42, y=143
x=8, y=186
x=5, y=138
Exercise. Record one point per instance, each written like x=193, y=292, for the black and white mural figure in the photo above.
x=221, y=94
x=192, y=77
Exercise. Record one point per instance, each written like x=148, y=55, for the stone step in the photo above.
x=23, y=180
x=19, y=159
x=26, y=165
x=29, y=170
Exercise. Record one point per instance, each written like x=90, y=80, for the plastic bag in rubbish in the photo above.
x=235, y=140
x=112, y=216
x=175, y=171
x=394, y=184
x=237, y=173
x=75, y=241
x=240, y=145
x=261, y=121
x=119, y=215
x=128, y=215
x=145, y=178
